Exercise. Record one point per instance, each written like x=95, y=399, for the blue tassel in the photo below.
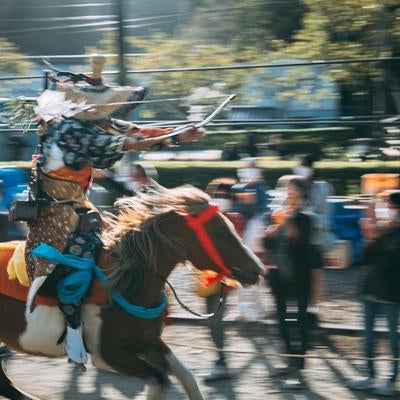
x=75, y=286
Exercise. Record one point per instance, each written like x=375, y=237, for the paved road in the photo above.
x=56, y=380
x=340, y=301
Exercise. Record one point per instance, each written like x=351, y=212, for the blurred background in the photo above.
x=312, y=77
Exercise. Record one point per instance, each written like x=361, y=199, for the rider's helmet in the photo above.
x=104, y=101
x=87, y=98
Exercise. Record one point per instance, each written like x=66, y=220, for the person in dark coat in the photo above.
x=289, y=256
x=220, y=191
x=381, y=292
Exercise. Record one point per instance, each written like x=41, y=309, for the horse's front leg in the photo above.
x=162, y=356
x=133, y=364
x=184, y=376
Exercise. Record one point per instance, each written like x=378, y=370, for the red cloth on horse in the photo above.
x=15, y=290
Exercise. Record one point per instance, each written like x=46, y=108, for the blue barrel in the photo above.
x=13, y=180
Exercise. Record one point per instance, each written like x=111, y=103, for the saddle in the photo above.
x=12, y=272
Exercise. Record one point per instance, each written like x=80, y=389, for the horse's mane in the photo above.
x=135, y=235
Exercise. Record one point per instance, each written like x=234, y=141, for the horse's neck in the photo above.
x=148, y=296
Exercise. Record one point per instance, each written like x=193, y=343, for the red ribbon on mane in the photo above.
x=196, y=224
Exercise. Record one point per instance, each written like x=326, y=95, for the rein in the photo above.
x=188, y=309
x=75, y=286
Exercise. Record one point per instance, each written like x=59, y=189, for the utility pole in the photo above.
x=380, y=79
x=121, y=43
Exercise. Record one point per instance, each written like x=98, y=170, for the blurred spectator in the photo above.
x=382, y=296
x=323, y=238
x=251, y=202
x=221, y=192
x=230, y=152
x=279, y=146
x=249, y=144
x=141, y=175
x=289, y=259
x=378, y=215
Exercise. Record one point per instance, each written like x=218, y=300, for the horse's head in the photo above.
x=169, y=226
x=212, y=243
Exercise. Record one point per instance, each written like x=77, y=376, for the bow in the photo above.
x=177, y=131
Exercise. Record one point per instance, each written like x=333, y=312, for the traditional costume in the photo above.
x=78, y=133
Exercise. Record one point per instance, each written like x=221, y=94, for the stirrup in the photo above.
x=75, y=348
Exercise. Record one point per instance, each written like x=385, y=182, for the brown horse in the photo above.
x=151, y=234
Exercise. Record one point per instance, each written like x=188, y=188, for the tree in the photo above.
x=11, y=63
x=169, y=53
x=265, y=31
x=351, y=29
x=251, y=23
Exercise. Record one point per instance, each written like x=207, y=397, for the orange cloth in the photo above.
x=15, y=290
x=83, y=176
x=150, y=131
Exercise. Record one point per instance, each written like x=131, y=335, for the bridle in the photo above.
x=197, y=226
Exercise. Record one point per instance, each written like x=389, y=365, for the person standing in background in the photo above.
x=289, y=261
x=220, y=191
x=251, y=201
x=139, y=177
x=323, y=239
x=382, y=297
x=250, y=144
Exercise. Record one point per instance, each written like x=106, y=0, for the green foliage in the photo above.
x=344, y=30
x=259, y=31
x=182, y=53
x=11, y=59
x=344, y=176
x=19, y=111
x=11, y=63
x=324, y=137
x=247, y=24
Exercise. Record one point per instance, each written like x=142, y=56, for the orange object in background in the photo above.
x=279, y=216
x=375, y=183
x=246, y=197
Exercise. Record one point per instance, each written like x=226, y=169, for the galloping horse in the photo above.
x=148, y=237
